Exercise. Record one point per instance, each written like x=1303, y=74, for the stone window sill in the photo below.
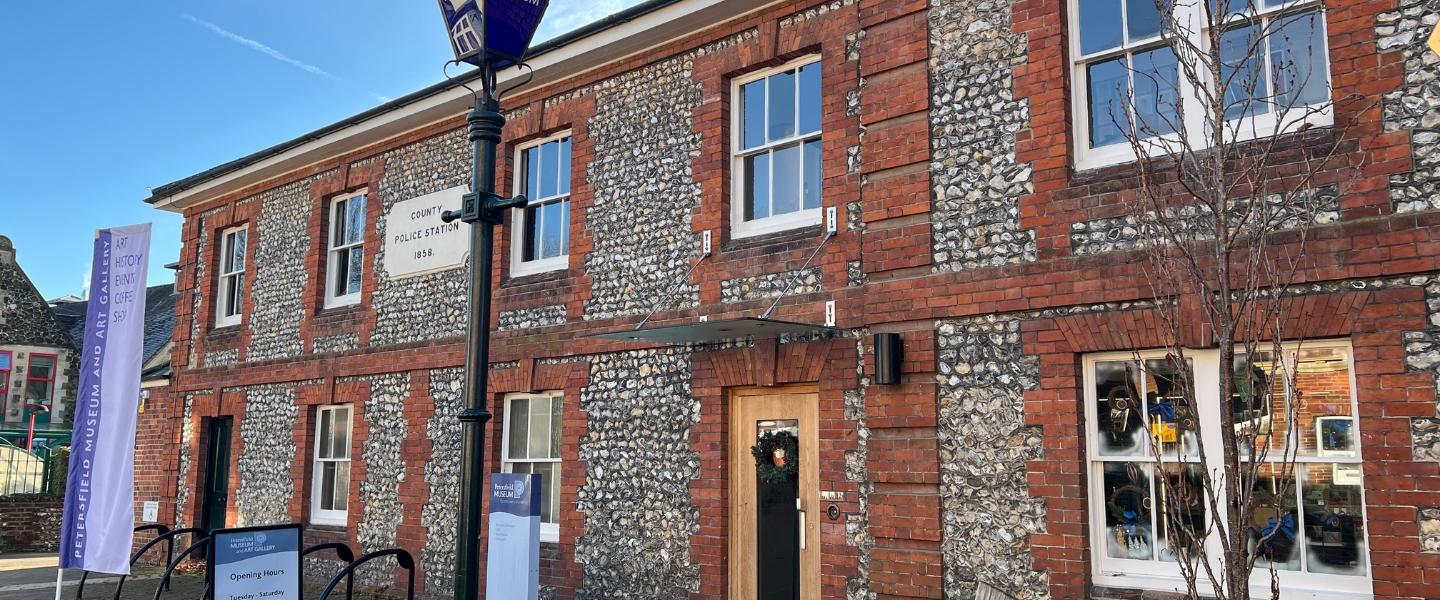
x=809, y=235
x=534, y=278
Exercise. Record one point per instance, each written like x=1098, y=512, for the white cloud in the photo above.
x=258, y=47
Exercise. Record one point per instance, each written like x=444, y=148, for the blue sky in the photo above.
x=104, y=100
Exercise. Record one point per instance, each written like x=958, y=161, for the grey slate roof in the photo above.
x=159, y=318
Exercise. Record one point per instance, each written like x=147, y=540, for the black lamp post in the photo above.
x=490, y=44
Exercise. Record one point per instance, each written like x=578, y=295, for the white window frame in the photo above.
x=518, y=266
x=318, y=515
x=1240, y=129
x=805, y=217
x=332, y=249
x=1164, y=576
x=549, y=532
x=228, y=278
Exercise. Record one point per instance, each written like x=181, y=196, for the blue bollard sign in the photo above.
x=256, y=563
x=513, y=564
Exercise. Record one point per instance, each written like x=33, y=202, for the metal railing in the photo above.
x=36, y=471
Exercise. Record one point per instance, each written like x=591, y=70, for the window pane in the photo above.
x=813, y=179
x=1325, y=417
x=782, y=106
x=1258, y=402
x=547, y=484
x=539, y=433
x=1142, y=18
x=556, y=432
x=228, y=257
x=42, y=367
x=549, y=175
x=1099, y=25
x=1240, y=71
x=531, y=241
x=5, y=361
x=1182, y=512
x=563, y=166
x=786, y=180
x=1334, y=523
x=342, y=484
x=565, y=226
x=757, y=187
x=752, y=114
x=1168, y=391
x=327, y=486
x=352, y=282
x=811, y=106
x=237, y=291
x=323, y=440
x=1297, y=61
x=37, y=391
x=1233, y=7
x=552, y=234
x=1118, y=409
x=1107, y=102
x=532, y=170
x=1157, y=92
x=355, y=230
x=342, y=272
x=341, y=427
x=1275, y=526
x=238, y=255
x=338, y=226
x=518, y=421
x=1127, y=511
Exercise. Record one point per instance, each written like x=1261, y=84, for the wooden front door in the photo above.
x=774, y=520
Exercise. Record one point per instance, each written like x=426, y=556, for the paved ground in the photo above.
x=32, y=577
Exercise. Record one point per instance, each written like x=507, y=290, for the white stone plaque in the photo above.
x=418, y=242
x=150, y=511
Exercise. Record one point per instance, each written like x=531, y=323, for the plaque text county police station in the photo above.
x=418, y=242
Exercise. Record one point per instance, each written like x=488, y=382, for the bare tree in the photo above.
x=1239, y=155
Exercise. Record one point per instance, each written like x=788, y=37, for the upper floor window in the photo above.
x=776, y=149
x=543, y=226
x=532, y=445
x=1145, y=441
x=346, y=262
x=330, y=490
x=1130, y=83
x=231, y=289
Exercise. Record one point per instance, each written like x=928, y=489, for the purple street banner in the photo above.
x=500, y=28
x=96, y=532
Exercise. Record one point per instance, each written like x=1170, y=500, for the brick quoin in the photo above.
x=892, y=459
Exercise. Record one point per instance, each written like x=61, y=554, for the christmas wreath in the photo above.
x=777, y=456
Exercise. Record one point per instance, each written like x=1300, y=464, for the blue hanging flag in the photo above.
x=495, y=30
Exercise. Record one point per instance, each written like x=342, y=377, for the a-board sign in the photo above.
x=513, y=566
x=417, y=241
x=256, y=563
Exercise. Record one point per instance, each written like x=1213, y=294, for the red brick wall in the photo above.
x=30, y=523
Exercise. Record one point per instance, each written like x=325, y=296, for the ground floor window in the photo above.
x=1145, y=441
x=532, y=445
x=331, y=485
x=40, y=387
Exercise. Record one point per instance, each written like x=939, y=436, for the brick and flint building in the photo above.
x=321, y=310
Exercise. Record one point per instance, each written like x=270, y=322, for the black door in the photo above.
x=214, y=497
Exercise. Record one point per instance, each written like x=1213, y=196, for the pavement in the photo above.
x=32, y=577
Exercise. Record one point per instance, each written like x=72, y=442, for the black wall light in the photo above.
x=887, y=358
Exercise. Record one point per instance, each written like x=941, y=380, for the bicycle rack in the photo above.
x=169, y=553
x=165, y=580
x=402, y=558
x=168, y=537
x=343, y=552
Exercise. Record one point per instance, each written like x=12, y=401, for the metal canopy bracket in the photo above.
x=714, y=331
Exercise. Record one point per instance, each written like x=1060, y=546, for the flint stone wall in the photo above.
x=1416, y=105
x=430, y=306
x=1429, y=520
x=639, y=515
x=771, y=285
x=645, y=189
x=267, y=452
x=442, y=474
x=187, y=436
x=1130, y=232
x=277, y=295
x=987, y=512
x=384, y=471
x=529, y=318
x=974, y=116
